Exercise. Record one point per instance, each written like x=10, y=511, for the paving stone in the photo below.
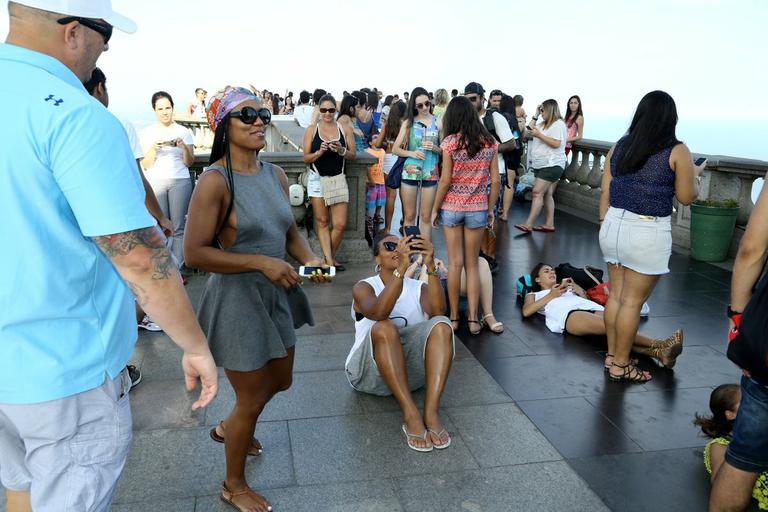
x=349, y=448
x=576, y=428
x=166, y=464
x=468, y=384
x=172, y=505
x=370, y=496
x=322, y=352
x=657, y=420
x=501, y=435
x=669, y=480
x=542, y=487
x=312, y=394
x=164, y=404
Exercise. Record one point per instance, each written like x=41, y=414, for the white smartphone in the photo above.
x=307, y=271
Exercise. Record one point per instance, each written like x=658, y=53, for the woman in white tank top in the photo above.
x=567, y=309
x=402, y=341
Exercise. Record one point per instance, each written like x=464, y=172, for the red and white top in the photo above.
x=468, y=191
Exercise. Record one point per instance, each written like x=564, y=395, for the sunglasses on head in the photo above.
x=331, y=110
x=249, y=115
x=426, y=104
x=389, y=245
x=104, y=29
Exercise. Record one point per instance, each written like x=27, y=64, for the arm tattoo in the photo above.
x=151, y=238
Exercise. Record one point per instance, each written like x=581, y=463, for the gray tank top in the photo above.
x=263, y=213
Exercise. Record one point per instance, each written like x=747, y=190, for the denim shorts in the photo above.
x=471, y=220
x=424, y=183
x=638, y=242
x=748, y=451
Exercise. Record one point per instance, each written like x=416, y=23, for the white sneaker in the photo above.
x=148, y=324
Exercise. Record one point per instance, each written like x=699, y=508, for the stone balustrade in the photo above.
x=725, y=178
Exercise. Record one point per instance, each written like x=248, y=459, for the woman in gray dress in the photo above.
x=239, y=228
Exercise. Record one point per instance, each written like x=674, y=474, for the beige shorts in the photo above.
x=69, y=452
x=363, y=374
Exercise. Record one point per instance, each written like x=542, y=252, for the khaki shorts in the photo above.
x=363, y=374
x=69, y=452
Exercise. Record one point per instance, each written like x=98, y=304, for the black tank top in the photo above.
x=329, y=163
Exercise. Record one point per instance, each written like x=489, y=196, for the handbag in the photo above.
x=396, y=173
x=749, y=349
x=335, y=189
x=586, y=277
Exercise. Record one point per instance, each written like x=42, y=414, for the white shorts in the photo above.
x=639, y=242
x=69, y=452
x=313, y=185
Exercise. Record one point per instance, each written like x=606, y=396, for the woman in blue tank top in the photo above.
x=644, y=171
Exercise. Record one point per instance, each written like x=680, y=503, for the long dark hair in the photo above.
x=652, y=130
x=461, y=118
x=219, y=150
x=159, y=95
x=536, y=287
x=507, y=105
x=394, y=120
x=722, y=399
x=412, y=110
x=568, y=115
x=348, y=103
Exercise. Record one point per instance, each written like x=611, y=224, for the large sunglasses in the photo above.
x=104, y=29
x=249, y=115
x=426, y=104
x=327, y=110
x=389, y=246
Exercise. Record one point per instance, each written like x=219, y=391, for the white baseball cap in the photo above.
x=95, y=9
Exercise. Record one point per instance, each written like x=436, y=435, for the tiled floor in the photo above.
x=536, y=425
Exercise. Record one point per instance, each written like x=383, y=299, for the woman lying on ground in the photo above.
x=567, y=309
x=402, y=341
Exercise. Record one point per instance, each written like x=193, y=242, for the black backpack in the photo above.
x=749, y=349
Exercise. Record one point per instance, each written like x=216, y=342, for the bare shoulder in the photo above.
x=680, y=154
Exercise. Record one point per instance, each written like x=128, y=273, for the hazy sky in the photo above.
x=711, y=55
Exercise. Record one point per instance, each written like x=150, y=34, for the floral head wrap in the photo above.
x=224, y=101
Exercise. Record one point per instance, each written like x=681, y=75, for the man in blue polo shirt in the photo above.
x=76, y=237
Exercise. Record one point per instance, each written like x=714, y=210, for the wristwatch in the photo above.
x=731, y=313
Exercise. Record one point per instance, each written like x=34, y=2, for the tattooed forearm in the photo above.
x=151, y=239
x=123, y=243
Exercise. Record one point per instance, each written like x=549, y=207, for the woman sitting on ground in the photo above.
x=418, y=270
x=402, y=341
x=724, y=405
x=567, y=309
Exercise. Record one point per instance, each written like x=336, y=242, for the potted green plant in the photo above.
x=712, y=224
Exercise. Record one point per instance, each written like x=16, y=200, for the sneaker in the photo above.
x=149, y=325
x=135, y=375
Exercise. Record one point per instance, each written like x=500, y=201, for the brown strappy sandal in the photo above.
x=228, y=497
x=255, y=450
x=668, y=349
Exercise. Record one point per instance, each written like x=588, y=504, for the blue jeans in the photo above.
x=748, y=451
x=173, y=197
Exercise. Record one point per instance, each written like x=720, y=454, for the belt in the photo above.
x=646, y=217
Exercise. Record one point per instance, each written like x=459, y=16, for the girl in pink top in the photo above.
x=462, y=203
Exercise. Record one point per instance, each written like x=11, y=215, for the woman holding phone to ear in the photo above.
x=644, y=171
x=326, y=148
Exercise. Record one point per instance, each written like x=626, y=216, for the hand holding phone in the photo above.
x=313, y=271
x=700, y=161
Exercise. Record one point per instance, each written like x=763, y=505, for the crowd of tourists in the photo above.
x=118, y=222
